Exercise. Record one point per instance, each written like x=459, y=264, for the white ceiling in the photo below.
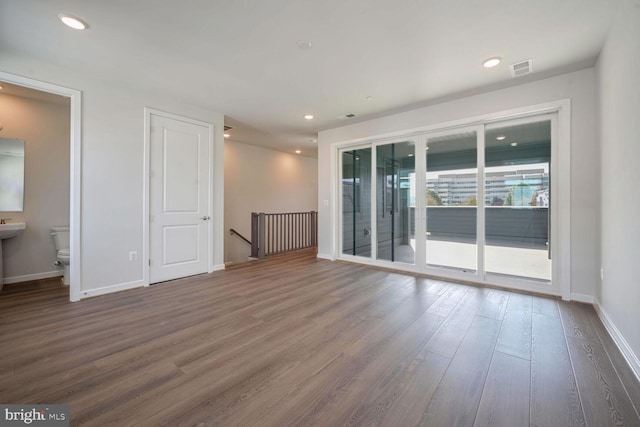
x=240, y=57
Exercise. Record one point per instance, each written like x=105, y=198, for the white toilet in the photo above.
x=61, y=242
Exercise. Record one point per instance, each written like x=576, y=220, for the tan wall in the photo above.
x=257, y=179
x=44, y=126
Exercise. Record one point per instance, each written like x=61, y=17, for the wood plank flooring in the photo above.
x=301, y=341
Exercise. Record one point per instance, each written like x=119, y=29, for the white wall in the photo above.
x=112, y=171
x=578, y=86
x=257, y=179
x=619, y=94
x=44, y=126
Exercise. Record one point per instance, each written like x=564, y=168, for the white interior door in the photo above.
x=179, y=199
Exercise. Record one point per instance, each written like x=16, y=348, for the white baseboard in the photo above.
x=582, y=298
x=88, y=293
x=30, y=277
x=326, y=256
x=623, y=345
x=217, y=267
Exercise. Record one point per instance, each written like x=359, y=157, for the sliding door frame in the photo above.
x=523, y=283
x=561, y=189
x=416, y=139
x=340, y=197
x=478, y=274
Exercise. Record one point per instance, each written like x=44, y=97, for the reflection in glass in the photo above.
x=11, y=175
x=451, y=194
x=517, y=200
x=356, y=202
x=395, y=212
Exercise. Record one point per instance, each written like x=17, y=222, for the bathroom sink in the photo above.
x=8, y=231
x=11, y=229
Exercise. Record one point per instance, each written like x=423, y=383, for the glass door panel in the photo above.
x=451, y=199
x=395, y=199
x=517, y=200
x=356, y=202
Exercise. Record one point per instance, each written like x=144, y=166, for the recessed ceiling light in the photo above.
x=313, y=140
x=514, y=144
x=369, y=98
x=500, y=137
x=308, y=116
x=491, y=62
x=304, y=44
x=72, y=21
x=298, y=151
x=410, y=154
x=226, y=135
x=0, y=87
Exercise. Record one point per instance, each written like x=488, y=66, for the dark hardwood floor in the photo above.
x=300, y=341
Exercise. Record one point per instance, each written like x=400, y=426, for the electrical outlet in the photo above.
x=133, y=256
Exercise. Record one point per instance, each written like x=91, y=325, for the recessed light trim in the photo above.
x=226, y=135
x=491, y=62
x=514, y=144
x=308, y=116
x=501, y=137
x=73, y=21
x=304, y=44
x=298, y=151
x=313, y=140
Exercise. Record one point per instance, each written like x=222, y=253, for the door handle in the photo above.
x=205, y=218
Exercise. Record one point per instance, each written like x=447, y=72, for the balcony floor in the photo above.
x=513, y=261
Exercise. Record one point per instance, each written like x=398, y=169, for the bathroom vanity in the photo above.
x=11, y=191
x=7, y=231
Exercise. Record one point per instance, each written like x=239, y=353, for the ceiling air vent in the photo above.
x=347, y=116
x=226, y=128
x=521, y=68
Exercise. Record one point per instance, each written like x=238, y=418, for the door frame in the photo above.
x=554, y=171
x=561, y=280
x=75, y=172
x=146, y=208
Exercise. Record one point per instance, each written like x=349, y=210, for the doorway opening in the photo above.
x=74, y=97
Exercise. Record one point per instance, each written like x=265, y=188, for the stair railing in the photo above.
x=273, y=233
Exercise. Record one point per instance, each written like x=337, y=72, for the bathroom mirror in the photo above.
x=11, y=175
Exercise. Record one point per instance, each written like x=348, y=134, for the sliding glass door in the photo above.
x=472, y=202
x=517, y=199
x=452, y=201
x=356, y=202
x=395, y=201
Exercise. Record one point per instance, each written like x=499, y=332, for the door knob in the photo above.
x=205, y=218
